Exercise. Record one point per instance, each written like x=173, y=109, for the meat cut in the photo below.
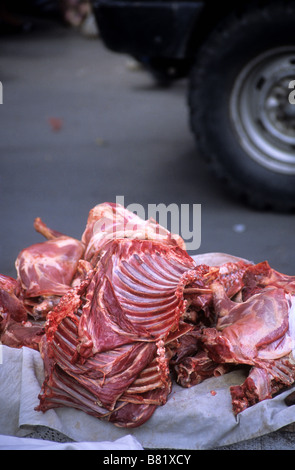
x=115, y=353
x=122, y=313
x=256, y=332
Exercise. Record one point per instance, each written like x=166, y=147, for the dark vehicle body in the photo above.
x=240, y=61
x=157, y=33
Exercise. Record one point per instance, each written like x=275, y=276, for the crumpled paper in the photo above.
x=22, y=443
x=197, y=418
x=191, y=419
x=21, y=376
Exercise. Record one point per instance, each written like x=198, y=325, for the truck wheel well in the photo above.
x=211, y=16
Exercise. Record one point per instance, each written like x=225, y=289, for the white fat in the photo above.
x=223, y=270
x=291, y=298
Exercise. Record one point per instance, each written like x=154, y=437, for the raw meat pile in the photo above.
x=120, y=314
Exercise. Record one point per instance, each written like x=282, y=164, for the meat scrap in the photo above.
x=122, y=313
x=256, y=332
x=45, y=270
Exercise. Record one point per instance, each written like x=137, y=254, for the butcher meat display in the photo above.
x=125, y=311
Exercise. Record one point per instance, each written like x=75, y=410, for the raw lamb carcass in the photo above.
x=257, y=331
x=109, y=344
x=109, y=221
x=15, y=328
x=46, y=270
x=104, y=347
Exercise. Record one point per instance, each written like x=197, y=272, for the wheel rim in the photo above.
x=262, y=113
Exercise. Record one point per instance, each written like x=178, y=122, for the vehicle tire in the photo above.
x=242, y=109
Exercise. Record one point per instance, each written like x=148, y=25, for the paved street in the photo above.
x=79, y=127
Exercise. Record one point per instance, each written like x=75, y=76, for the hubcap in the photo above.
x=262, y=113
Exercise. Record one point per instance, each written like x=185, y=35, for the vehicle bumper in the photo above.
x=145, y=29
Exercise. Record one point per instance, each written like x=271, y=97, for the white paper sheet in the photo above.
x=23, y=443
x=191, y=419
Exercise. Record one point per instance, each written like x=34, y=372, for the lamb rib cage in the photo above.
x=112, y=348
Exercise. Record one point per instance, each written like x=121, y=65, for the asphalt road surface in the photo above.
x=78, y=127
